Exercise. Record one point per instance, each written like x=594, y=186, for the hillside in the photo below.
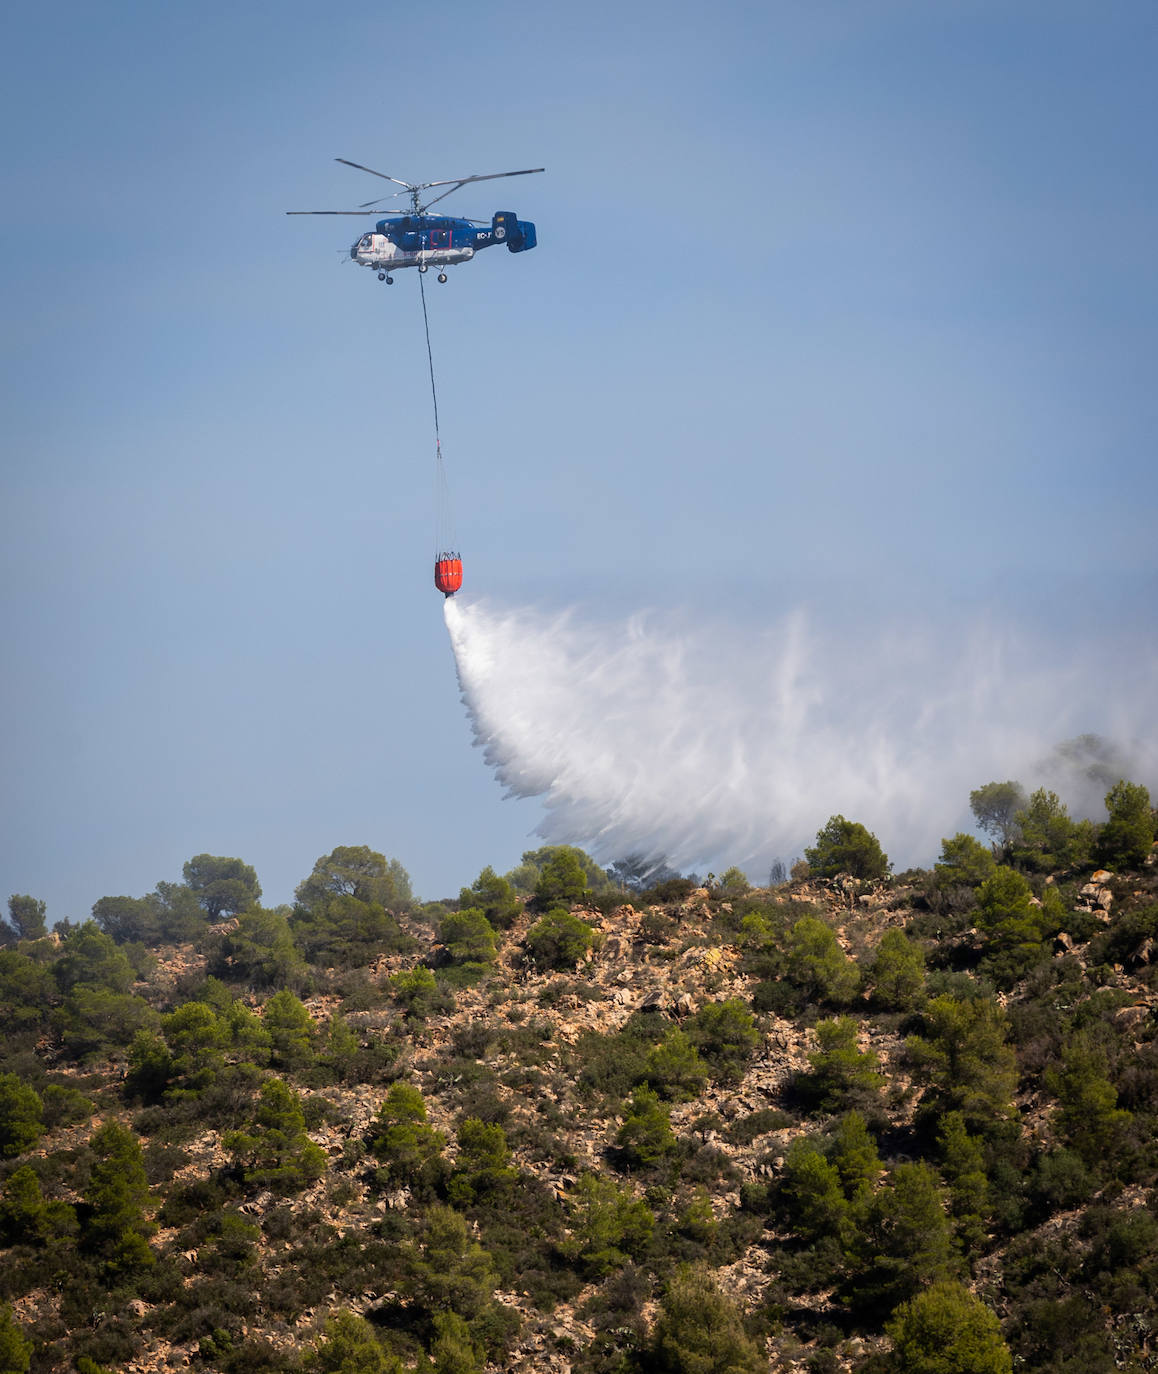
x=700, y=1128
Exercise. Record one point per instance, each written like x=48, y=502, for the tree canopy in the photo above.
x=223, y=887
x=846, y=847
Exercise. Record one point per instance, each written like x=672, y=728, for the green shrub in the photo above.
x=964, y=862
x=645, y=1138
x=468, y=936
x=15, y=1348
x=674, y=1069
x=560, y=940
x=350, y=1346
x=842, y=1075
x=904, y=1242
x=699, y=1330
x=815, y=963
x=418, y=992
x=116, y=1227
x=725, y=1034
x=609, y=1226
x=1046, y=839
x=946, y=1330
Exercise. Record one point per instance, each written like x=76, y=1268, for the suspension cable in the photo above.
x=444, y=518
x=430, y=360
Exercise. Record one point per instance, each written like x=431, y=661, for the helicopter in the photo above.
x=413, y=238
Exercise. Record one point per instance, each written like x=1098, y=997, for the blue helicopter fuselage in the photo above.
x=438, y=240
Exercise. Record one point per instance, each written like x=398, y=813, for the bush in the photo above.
x=646, y=1136
x=350, y=1346
x=410, y=1149
x=674, y=1069
x=842, y=1075
x=419, y=994
x=468, y=936
x=15, y=1350
x=905, y=1241
x=725, y=1035
x=816, y=964
x=560, y=940
x=946, y=1330
x=115, y=1227
x=701, y=1331
x=609, y=1226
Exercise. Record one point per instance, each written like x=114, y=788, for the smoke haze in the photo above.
x=714, y=746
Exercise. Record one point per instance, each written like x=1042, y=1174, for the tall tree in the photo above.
x=494, y=897
x=1126, y=838
x=222, y=886
x=963, y=1058
x=116, y=1228
x=846, y=847
x=275, y=1151
x=561, y=881
x=1047, y=836
x=995, y=807
x=905, y=1241
x=260, y=951
x=360, y=872
x=21, y=1115
x=15, y=1348
x=26, y=916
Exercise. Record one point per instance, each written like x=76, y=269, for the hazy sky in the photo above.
x=846, y=309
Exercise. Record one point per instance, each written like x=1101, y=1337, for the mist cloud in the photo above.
x=717, y=745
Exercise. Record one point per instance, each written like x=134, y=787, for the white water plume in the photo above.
x=710, y=748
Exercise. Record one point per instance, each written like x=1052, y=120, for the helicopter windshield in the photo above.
x=366, y=241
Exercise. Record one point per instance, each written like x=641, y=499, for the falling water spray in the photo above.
x=712, y=746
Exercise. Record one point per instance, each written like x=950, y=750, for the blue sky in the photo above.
x=849, y=307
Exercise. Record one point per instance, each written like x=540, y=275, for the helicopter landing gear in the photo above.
x=422, y=267
x=381, y=276
x=442, y=276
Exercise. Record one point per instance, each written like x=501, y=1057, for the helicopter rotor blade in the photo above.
x=373, y=173
x=382, y=199
x=464, y=181
x=330, y=212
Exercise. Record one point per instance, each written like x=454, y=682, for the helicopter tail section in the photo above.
x=526, y=237
x=519, y=234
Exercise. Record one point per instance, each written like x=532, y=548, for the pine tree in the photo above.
x=116, y=1227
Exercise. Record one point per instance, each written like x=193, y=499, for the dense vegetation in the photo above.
x=850, y=1121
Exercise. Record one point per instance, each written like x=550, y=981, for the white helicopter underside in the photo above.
x=386, y=256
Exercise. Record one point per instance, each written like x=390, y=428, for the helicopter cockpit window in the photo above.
x=366, y=241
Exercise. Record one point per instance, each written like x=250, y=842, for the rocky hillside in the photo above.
x=707, y=1128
